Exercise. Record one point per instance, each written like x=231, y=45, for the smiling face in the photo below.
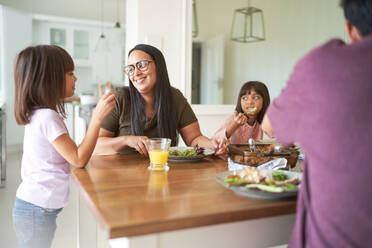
x=143, y=81
x=251, y=102
x=70, y=84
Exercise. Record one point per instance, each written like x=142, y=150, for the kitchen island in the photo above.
x=185, y=207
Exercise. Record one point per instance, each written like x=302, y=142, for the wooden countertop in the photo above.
x=129, y=200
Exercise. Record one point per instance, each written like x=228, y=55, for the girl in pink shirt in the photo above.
x=245, y=122
x=43, y=77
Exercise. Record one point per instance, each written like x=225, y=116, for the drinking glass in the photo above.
x=158, y=153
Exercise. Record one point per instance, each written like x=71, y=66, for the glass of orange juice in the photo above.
x=158, y=153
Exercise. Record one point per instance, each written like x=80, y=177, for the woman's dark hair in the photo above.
x=164, y=105
x=359, y=14
x=262, y=90
x=40, y=80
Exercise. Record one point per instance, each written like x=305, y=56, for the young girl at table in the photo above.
x=246, y=120
x=43, y=77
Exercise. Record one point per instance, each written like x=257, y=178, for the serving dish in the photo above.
x=256, y=193
x=191, y=158
x=262, y=153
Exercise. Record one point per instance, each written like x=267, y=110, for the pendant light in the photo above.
x=117, y=32
x=117, y=24
x=102, y=43
x=248, y=25
x=195, y=28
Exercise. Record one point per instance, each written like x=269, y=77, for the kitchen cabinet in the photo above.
x=79, y=38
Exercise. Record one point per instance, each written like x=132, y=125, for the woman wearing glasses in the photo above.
x=149, y=108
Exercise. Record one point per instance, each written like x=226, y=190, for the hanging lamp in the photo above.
x=248, y=25
x=117, y=23
x=102, y=43
x=195, y=28
x=117, y=32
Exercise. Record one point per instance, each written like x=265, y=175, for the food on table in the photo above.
x=188, y=152
x=264, y=152
x=271, y=181
x=158, y=156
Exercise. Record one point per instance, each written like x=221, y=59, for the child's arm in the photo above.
x=79, y=156
x=239, y=120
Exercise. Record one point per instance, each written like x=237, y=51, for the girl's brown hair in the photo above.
x=262, y=90
x=40, y=80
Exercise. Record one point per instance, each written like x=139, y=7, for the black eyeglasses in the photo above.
x=141, y=65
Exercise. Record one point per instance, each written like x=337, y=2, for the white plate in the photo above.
x=184, y=159
x=255, y=193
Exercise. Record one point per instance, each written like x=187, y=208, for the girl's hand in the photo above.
x=139, y=143
x=239, y=118
x=104, y=107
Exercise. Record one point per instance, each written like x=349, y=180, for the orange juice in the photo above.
x=158, y=157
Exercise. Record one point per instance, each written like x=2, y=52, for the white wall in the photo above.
x=293, y=27
x=16, y=35
x=161, y=24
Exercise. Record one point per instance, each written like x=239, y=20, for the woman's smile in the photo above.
x=143, y=79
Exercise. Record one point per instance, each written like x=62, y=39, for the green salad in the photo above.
x=188, y=152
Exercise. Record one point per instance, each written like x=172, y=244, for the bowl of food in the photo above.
x=262, y=153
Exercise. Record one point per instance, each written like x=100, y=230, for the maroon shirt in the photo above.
x=327, y=108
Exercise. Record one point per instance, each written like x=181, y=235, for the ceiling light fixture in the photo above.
x=102, y=45
x=248, y=25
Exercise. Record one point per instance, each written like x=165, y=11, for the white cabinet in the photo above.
x=77, y=39
x=80, y=38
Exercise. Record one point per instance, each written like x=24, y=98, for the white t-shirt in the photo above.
x=45, y=173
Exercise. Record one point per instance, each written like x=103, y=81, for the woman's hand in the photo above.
x=220, y=148
x=239, y=118
x=138, y=143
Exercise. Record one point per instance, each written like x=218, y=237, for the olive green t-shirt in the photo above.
x=118, y=121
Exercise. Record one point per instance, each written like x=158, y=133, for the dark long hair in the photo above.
x=359, y=13
x=262, y=90
x=40, y=80
x=164, y=104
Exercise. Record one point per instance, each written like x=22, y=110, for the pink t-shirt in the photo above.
x=241, y=134
x=45, y=173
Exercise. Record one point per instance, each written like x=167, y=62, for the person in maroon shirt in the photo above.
x=326, y=108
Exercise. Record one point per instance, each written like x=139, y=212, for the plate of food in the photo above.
x=179, y=154
x=255, y=183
